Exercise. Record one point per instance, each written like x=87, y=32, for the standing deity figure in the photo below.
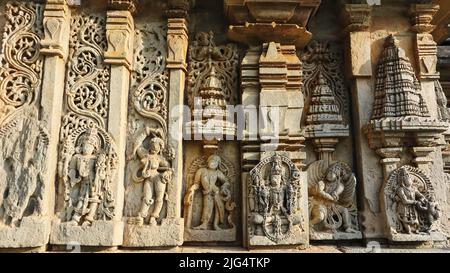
x=214, y=195
x=331, y=198
x=88, y=168
x=155, y=173
x=276, y=191
x=411, y=206
x=409, y=201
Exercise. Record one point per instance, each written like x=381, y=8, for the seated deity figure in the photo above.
x=156, y=173
x=215, y=186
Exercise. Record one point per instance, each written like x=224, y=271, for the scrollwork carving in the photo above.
x=20, y=61
x=88, y=156
x=149, y=172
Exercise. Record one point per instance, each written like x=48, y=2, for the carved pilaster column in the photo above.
x=177, y=44
x=273, y=102
x=55, y=48
x=357, y=22
x=390, y=156
x=33, y=49
x=119, y=34
x=425, y=51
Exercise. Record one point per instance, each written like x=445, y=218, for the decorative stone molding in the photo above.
x=56, y=26
x=119, y=33
x=356, y=17
x=256, y=21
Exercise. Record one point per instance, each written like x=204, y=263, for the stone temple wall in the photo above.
x=262, y=124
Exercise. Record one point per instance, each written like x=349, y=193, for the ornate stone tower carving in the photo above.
x=212, y=182
x=401, y=118
x=271, y=80
x=331, y=184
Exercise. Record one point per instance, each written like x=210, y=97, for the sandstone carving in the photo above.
x=275, y=214
x=208, y=201
x=87, y=152
x=145, y=125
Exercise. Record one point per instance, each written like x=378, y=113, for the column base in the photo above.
x=100, y=233
x=323, y=236
x=427, y=237
x=224, y=235
x=33, y=232
x=169, y=233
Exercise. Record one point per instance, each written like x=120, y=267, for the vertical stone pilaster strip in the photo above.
x=119, y=34
x=177, y=43
x=357, y=22
x=55, y=48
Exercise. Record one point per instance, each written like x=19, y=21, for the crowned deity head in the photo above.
x=90, y=141
x=213, y=162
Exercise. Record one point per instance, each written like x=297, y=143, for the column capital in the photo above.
x=56, y=28
x=177, y=43
x=119, y=33
x=177, y=9
x=125, y=5
x=356, y=17
x=421, y=17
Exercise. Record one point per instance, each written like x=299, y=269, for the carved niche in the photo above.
x=275, y=215
x=23, y=137
x=149, y=172
x=212, y=85
x=87, y=156
x=332, y=201
x=321, y=60
x=411, y=207
x=209, y=200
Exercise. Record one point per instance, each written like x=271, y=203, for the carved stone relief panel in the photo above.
x=411, y=206
x=332, y=201
x=88, y=156
x=277, y=210
x=149, y=174
x=23, y=136
x=209, y=207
